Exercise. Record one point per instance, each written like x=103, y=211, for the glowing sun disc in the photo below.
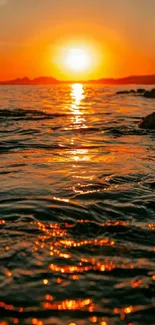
x=77, y=59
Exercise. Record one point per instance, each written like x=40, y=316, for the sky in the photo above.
x=117, y=34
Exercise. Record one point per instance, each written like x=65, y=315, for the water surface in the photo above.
x=77, y=207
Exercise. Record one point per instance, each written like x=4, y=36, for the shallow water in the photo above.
x=77, y=207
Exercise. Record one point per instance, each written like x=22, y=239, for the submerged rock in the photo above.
x=122, y=92
x=148, y=122
x=126, y=92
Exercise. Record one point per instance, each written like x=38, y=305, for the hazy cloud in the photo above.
x=3, y=2
x=11, y=45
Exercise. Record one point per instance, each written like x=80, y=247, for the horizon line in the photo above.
x=49, y=79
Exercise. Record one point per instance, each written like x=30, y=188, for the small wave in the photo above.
x=123, y=130
x=21, y=114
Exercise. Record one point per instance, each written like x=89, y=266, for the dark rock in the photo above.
x=122, y=92
x=140, y=91
x=125, y=92
x=149, y=94
x=148, y=122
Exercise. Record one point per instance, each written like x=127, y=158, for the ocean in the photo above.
x=77, y=206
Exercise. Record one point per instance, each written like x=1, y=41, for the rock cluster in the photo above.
x=149, y=93
x=140, y=92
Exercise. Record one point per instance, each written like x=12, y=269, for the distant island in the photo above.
x=134, y=80
x=27, y=81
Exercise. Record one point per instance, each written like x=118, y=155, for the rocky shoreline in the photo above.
x=139, y=92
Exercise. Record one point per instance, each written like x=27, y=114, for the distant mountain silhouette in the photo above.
x=45, y=81
x=137, y=80
x=27, y=81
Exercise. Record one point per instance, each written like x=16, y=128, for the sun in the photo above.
x=77, y=59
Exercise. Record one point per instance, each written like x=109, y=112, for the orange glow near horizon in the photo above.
x=36, y=39
x=73, y=59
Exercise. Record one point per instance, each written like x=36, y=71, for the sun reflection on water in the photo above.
x=77, y=95
x=78, y=120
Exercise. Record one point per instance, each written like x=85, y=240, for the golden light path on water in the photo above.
x=77, y=94
x=78, y=119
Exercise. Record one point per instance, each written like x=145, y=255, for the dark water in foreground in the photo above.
x=77, y=207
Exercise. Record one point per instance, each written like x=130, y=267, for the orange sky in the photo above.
x=118, y=35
